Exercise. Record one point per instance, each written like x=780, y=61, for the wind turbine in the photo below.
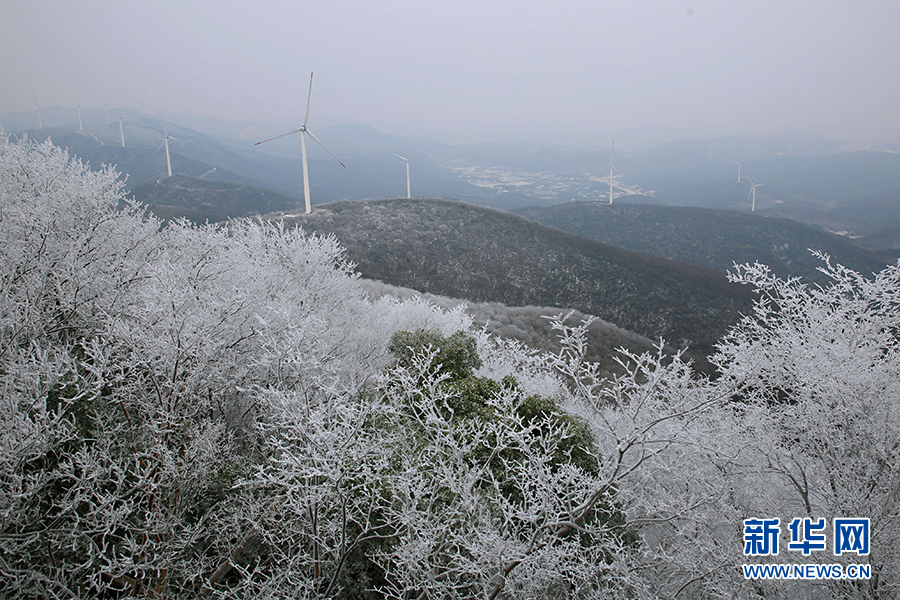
x=408, y=194
x=738, y=163
x=303, y=131
x=611, y=169
x=78, y=109
x=165, y=141
x=753, y=187
x=121, y=131
x=40, y=121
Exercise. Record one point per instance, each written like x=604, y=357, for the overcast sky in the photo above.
x=576, y=72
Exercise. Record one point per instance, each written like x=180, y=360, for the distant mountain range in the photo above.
x=369, y=172
x=485, y=255
x=847, y=187
x=715, y=239
x=855, y=193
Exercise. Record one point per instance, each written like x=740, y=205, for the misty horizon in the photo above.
x=249, y=132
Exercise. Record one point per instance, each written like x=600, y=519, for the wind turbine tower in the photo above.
x=106, y=117
x=121, y=132
x=165, y=141
x=303, y=131
x=40, y=121
x=738, y=163
x=753, y=187
x=611, y=169
x=408, y=194
x=78, y=109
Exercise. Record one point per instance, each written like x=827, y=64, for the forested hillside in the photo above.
x=710, y=238
x=224, y=412
x=485, y=255
x=207, y=201
x=532, y=325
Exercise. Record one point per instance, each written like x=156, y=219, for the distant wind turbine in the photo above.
x=303, y=131
x=408, y=194
x=738, y=163
x=121, y=131
x=165, y=141
x=78, y=109
x=753, y=187
x=40, y=121
x=611, y=169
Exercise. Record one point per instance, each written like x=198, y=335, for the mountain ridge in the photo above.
x=805, y=178
x=481, y=254
x=710, y=238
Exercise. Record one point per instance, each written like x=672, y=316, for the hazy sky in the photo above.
x=579, y=72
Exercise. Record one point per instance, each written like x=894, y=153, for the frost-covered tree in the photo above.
x=131, y=359
x=437, y=482
x=657, y=431
x=803, y=421
x=816, y=372
x=69, y=259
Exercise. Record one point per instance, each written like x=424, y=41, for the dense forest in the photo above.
x=226, y=412
x=715, y=239
x=486, y=255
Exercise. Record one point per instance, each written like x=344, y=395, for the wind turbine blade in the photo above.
x=278, y=136
x=401, y=157
x=750, y=180
x=611, y=150
x=308, y=98
x=160, y=146
x=326, y=149
x=750, y=194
